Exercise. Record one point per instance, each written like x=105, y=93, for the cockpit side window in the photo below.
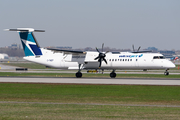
x=155, y=57
x=162, y=57
x=158, y=57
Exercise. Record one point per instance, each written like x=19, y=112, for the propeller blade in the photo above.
x=105, y=60
x=97, y=49
x=100, y=63
x=138, y=48
x=96, y=58
x=133, y=48
x=106, y=52
x=102, y=47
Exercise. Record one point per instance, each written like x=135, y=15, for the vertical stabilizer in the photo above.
x=29, y=43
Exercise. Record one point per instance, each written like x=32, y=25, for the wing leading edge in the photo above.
x=67, y=51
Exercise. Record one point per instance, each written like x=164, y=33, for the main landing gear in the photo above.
x=79, y=74
x=166, y=72
x=113, y=74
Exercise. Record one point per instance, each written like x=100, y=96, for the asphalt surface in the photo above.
x=121, y=81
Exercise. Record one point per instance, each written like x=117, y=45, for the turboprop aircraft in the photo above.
x=68, y=59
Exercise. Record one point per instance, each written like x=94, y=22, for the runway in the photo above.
x=121, y=81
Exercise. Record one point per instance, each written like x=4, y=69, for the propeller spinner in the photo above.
x=101, y=56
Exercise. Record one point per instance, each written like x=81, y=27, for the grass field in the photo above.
x=87, y=102
x=26, y=65
x=85, y=112
x=99, y=98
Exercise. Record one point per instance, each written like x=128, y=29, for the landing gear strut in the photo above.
x=79, y=74
x=166, y=72
x=113, y=74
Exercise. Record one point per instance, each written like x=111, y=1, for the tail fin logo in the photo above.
x=29, y=43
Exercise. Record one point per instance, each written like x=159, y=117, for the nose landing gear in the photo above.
x=166, y=72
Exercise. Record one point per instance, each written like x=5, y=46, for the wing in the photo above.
x=67, y=51
x=142, y=51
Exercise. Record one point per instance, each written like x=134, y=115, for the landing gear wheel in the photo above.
x=78, y=74
x=166, y=73
x=112, y=75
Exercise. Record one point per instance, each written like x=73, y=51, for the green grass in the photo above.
x=26, y=65
x=89, y=75
x=85, y=112
x=115, y=94
x=94, y=94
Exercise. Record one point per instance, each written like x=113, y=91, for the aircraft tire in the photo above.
x=112, y=75
x=78, y=74
x=166, y=73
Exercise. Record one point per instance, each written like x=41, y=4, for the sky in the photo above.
x=89, y=23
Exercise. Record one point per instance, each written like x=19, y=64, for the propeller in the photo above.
x=101, y=56
x=138, y=50
x=134, y=49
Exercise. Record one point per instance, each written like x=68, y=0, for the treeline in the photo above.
x=12, y=52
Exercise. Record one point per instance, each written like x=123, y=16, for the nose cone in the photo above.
x=170, y=65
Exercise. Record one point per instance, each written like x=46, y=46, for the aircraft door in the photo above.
x=136, y=62
x=110, y=62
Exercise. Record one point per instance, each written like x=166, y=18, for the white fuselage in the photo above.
x=124, y=60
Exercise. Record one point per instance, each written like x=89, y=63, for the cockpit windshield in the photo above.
x=159, y=57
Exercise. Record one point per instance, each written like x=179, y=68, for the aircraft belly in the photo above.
x=91, y=65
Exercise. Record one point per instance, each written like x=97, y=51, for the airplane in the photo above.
x=79, y=60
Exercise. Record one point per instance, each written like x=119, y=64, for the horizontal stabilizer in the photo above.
x=29, y=42
x=25, y=30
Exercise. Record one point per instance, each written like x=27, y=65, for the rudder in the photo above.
x=29, y=43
